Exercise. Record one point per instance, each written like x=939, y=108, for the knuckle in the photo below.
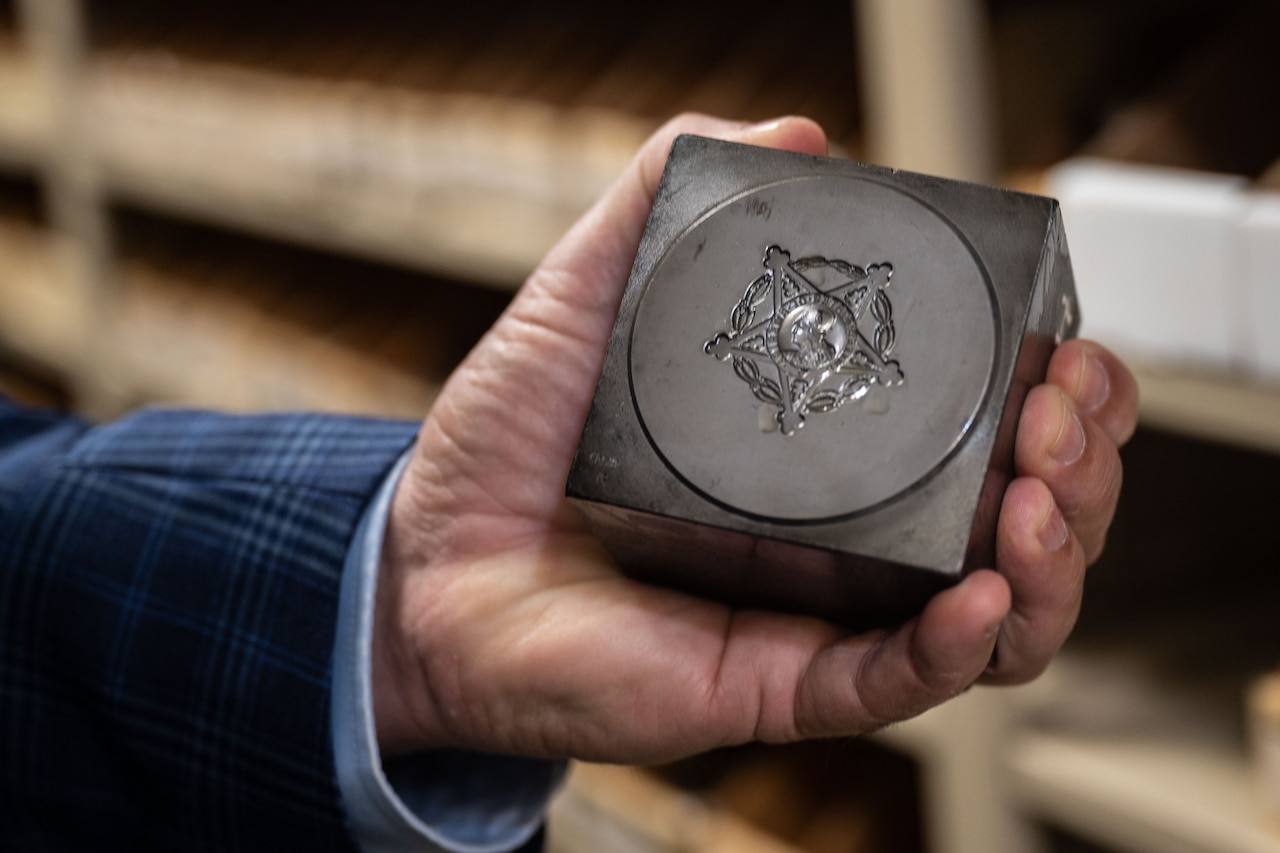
x=1094, y=491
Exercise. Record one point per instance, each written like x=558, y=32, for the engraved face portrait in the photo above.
x=812, y=337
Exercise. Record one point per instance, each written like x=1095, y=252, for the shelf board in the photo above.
x=1142, y=757
x=471, y=186
x=25, y=107
x=1142, y=793
x=1233, y=409
x=177, y=338
x=43, y=315
x=625, y=810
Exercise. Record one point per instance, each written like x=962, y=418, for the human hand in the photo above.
x=503, y=626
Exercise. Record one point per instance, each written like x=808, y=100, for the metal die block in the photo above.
x=809, y=398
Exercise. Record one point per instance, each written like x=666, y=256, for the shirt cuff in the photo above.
x=442, y=800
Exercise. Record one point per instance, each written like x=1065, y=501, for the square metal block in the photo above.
x=809, y=399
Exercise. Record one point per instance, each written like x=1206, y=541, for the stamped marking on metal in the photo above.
x=787, y=326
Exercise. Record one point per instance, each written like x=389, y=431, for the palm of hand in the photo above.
x=508, y=627
x=580, y=643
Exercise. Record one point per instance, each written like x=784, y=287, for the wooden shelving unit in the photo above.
x=1145, y=764
x=24, y=117
x=209, y=317
x=1165, y=770
x=189, y=191
x=474, y=186
x=1135, y=739
x=467, y=152
x=41, y=314
x=1237, y=410
x=1162, y=774
x=24, y=104
x=843, y=797
x=1143, y=794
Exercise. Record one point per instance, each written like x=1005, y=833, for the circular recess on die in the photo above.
x=812, y=348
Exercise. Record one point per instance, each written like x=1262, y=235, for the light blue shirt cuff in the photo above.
x=442, y=800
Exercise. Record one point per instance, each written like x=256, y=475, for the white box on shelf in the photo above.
x=1260, y=254
x=1156, y=261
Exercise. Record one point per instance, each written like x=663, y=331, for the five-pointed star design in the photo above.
x=809, y=337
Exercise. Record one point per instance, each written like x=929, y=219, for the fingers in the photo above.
x=1075, y=457
x=628, y=202
x=853, y=686
x=1054, y=518
x=1100, y=385
x=1044, y=565
x=790, y=133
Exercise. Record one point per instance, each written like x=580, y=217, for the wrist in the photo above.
x=396, y=676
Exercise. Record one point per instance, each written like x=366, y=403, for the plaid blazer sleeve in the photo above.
x=168, y=592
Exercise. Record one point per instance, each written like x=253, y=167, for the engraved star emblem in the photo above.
x=810, y=339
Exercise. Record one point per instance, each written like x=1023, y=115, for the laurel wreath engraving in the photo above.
x=765, y=389
x=744, y=313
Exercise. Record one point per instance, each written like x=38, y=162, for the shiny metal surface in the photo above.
x=798, y=414
x=809, y=399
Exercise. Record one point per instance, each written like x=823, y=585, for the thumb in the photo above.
x=602, y=245
x=526, y=388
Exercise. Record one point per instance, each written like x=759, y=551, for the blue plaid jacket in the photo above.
x=168, y=590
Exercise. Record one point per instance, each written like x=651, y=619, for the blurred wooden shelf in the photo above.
x=625, y=810
x=209, y=317
x=474, y=186
x=1142, y=794
x=1138, y=761
x=43, y=313
x=1099, y=748
x=799, y=798
x=192, y=342
x=25, y=106
x=1234, y=409
x=444, y=142
x=1136, y=736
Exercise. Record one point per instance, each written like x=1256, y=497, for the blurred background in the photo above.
x=323, y=204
